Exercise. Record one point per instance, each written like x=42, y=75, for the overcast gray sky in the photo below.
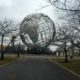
x=18, y=9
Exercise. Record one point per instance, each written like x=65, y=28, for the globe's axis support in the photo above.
x=37, y=31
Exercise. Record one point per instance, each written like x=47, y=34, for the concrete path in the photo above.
x=35, y=69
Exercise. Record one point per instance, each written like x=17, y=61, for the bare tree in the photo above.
x=65, y=35
x=72, y=8
x=6, y=28
x=68, y=5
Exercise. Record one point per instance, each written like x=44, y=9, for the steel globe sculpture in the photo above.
x=37, y=31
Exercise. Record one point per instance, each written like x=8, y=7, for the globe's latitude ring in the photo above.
x=37, y=30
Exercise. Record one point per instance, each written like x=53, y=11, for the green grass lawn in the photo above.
x=7, y=59
x=73, y=64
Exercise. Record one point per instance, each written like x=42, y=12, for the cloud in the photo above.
x=53, y=48
x=18, y=9
x=6, y=3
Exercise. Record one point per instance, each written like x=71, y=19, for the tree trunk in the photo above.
x=2, y=51
x=72, y=52
x=66, y=58
x=65, y=51
x=13, y=45
x=18, y=51
x=79, y=53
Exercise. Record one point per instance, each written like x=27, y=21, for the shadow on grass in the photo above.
x=7, y=60
x=72, y=64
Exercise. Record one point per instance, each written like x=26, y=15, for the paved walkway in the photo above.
x=35, y=69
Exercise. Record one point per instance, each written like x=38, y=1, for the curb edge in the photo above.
x=65, y=68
